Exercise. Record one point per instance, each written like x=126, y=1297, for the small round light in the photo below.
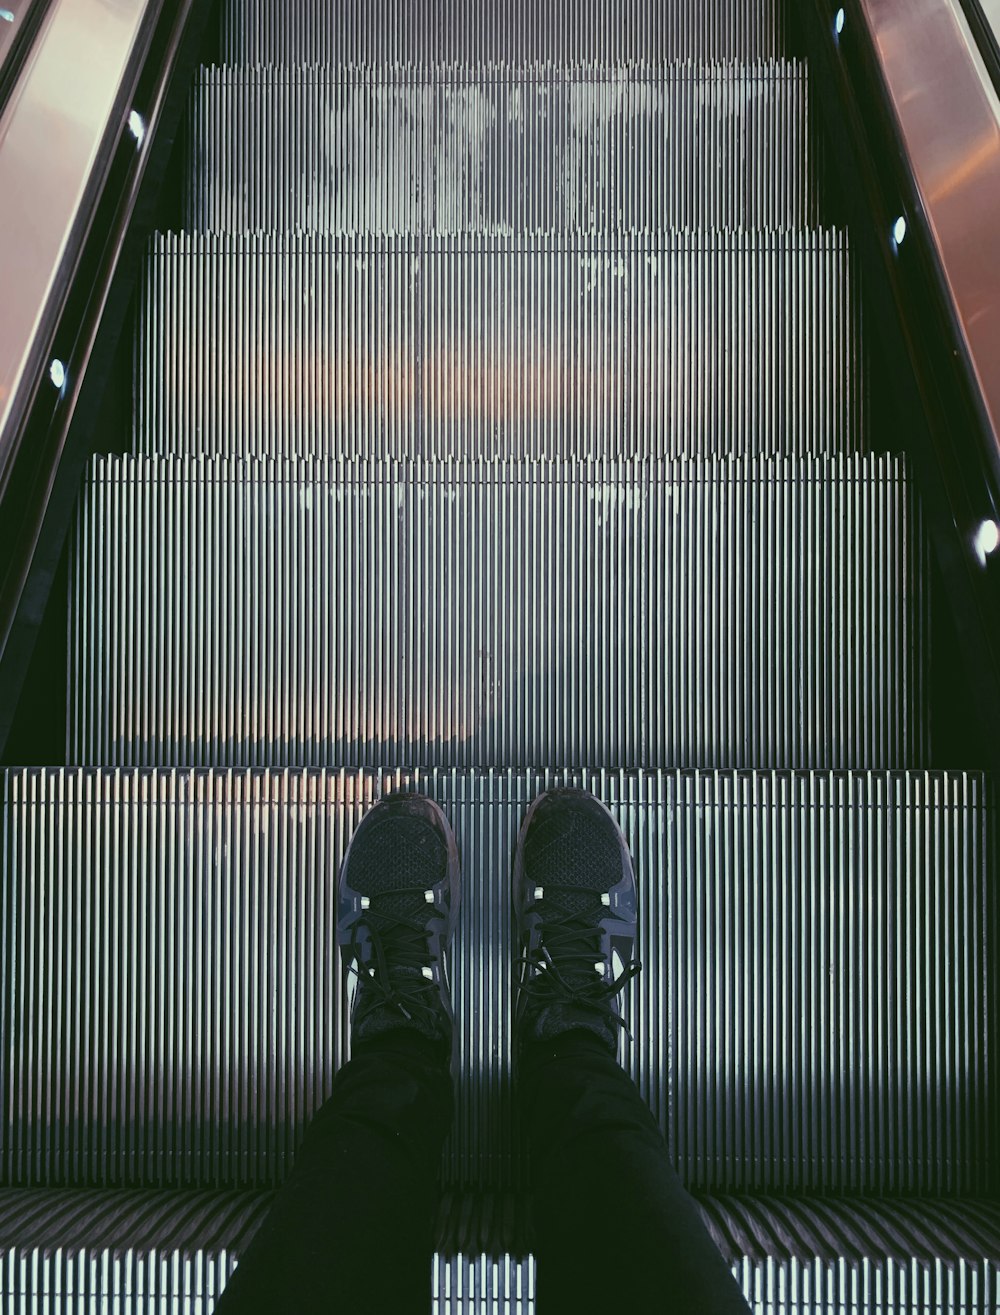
x=136, y=126
x=57, y=373
x=987, y=539
x=838, y=22
x=899, y=230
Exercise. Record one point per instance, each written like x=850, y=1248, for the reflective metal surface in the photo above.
x=53, y=131
x=600, y=148
x=385, y=32
x=814, y=1011
x=877, y=1257
x=694, y=343
x=718, y=613
x=14, y=16
x=949, y=115
x=597, y=501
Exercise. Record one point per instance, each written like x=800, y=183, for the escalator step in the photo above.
x=672, y=344
x=814, y=1012
x=490, y=31
x=700, y=614
x=463, y=150
x=826, y=1256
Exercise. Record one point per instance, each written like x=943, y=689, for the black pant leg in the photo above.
x=352, y=1227
x=614, y=1228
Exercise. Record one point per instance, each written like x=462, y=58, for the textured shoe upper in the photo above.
x=395, y=906
x=573, y=853
x=578, y=908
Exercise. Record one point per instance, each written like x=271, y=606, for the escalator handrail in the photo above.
x=19, y=27
x=84, y=143
x=57, y=140
x=987, y=37
x=946, y=112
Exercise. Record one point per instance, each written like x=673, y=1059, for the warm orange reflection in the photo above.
x=536, y=385
x=538, y=382
x=966, y=167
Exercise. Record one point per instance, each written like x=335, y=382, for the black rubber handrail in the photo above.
x=48, y=444
x=19, y=24
x=987, y=39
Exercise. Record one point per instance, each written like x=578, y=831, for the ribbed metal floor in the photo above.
x=514, y=424
x=814, y=1011
x=875, y=1256
x=729, y=613
x=432, y=150
x=490, y=31
x=666, y=344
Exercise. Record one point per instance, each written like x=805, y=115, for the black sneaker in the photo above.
x=398, y=900
x=575, y=902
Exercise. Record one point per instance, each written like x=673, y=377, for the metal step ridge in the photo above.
x=816, y=1010
x=674, y=342
x=457, y=149
x=727, y=613
x=131, y=1246
x=752, y=1227
x=464, y=72
x=267, y=31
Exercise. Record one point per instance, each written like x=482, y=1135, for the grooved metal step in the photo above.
x=699, y=614
x=508, y=418
x=393, y=31
x=814, y=1013
x=436, y=150
x=669, y=344
x=822, y=1257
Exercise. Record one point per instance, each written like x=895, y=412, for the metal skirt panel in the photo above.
x=672, y=344
x=515, y=31
x=645, y=614
x=816, y=1009
x=419, y=150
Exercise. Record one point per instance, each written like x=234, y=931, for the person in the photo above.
x=352, y=1227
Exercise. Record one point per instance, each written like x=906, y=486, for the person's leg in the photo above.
x=352, y=1227
x=614, y=1228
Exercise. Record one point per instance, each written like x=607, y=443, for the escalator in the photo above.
x=503, y=417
